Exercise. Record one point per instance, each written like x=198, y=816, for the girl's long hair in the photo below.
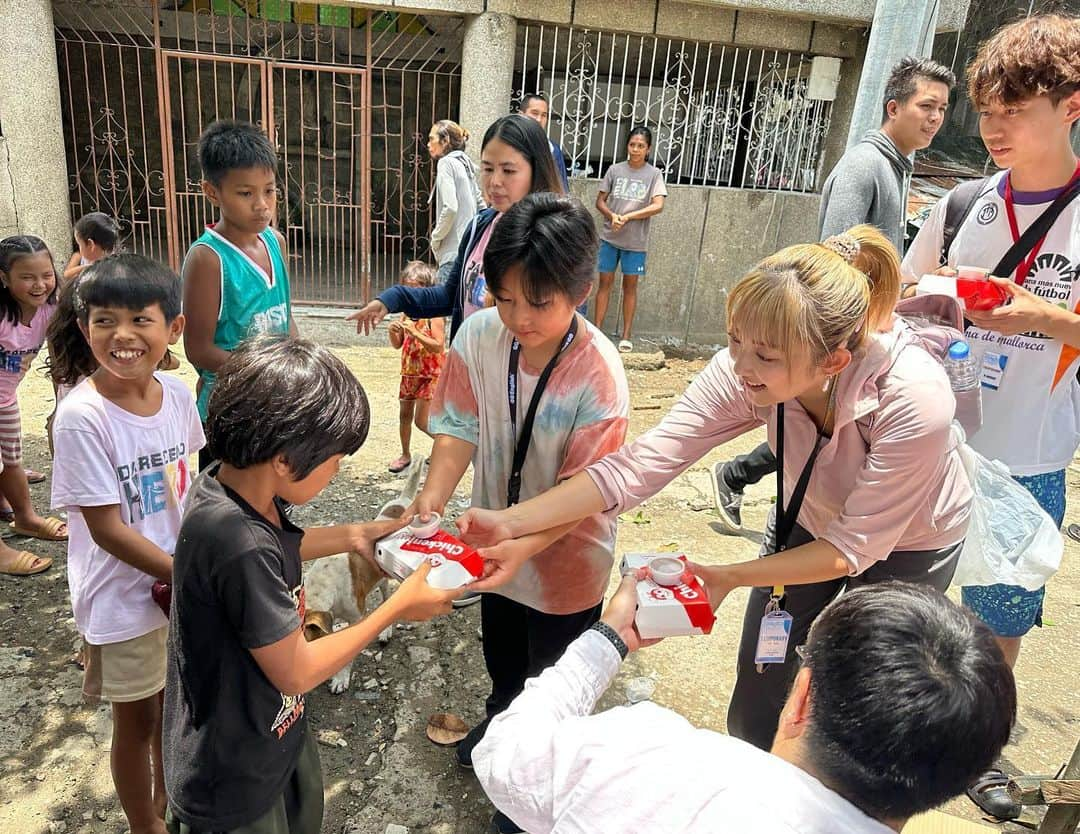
x=69, y=359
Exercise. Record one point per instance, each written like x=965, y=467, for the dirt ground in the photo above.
x=54, y=751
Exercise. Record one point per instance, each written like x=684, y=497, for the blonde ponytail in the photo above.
x=815, y=298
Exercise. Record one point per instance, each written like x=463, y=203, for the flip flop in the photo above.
x=400, y=465
x=34, y=477
x=24, y=564
x=48, y=530
x=989, y=792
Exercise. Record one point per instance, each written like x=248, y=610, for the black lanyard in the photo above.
x=785, y=521
x=521, y=444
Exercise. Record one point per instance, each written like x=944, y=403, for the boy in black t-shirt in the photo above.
x=237, y=749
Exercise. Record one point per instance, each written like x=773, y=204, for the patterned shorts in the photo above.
x=417, y=387
x=1009, y=610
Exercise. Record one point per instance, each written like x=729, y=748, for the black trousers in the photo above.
x=749, y=469
x=758, y=698
x=520, y=642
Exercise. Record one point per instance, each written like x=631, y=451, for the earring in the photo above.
x=825, y=385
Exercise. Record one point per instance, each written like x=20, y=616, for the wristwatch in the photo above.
x=613, y=637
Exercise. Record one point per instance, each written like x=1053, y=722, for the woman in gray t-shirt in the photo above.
x=630, y=193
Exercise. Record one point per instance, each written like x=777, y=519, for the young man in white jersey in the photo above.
x=1025, y=82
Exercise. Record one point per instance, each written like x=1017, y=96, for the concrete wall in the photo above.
x=641, y=15
x=699, y=247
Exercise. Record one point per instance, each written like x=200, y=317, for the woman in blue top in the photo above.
x=514, y=161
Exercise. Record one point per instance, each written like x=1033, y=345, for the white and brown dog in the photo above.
x=340, y=590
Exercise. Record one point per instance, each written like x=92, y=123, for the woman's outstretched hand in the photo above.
x=368, y=316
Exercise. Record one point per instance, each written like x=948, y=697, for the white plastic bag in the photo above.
x=1010, y=540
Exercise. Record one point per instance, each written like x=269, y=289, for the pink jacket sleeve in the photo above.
x=714, y=409
x=909, y=451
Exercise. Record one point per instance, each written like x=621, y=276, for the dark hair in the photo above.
x=552, y=239
x=11, y=250
x=227, y=145
x=1039, y=55
x=278, y=395
x=528, y=99
x=99, y=228
x=642, y=131
x=903, y=81
x=131, y=281
x=910, y=698
x=527, y=137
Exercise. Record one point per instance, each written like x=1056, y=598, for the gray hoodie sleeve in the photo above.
x=846, y=201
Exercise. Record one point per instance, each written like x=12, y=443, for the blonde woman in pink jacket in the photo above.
x=866, y=413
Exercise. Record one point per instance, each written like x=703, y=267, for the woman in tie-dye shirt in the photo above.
x=539, y=267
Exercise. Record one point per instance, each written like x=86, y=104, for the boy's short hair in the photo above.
x=227, y=145
x=1033, y=57
x=130, y=281
x=551, y=239
x=279, y=395
x=911, y=698
x=421, y=272
x=903, y=81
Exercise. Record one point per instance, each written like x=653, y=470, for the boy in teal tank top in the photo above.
x=236, y=282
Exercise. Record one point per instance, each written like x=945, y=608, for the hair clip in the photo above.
x=844, y=245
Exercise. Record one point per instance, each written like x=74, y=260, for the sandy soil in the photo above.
x=54, y=772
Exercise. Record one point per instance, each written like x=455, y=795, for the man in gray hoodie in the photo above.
x=868, y=185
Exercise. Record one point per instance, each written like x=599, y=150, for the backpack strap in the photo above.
x=958, y=205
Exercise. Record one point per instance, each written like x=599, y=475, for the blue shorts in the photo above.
x=1009, y=610
x=633, y=263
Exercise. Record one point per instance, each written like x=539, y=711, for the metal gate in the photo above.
x=347, y=96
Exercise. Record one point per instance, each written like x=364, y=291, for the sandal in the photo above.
x=626, y=346
x=988, y=791
x=401, y=464
x=48, y=530
x=6, y=513
x=1073, y=532
x=34, y=477
x=27, y=564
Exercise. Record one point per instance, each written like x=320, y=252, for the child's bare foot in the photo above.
x=401, y=464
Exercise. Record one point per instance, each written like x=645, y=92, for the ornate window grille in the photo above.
x=721, y=115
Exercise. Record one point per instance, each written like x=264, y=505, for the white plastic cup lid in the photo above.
x=425, y=529
x=667, y=570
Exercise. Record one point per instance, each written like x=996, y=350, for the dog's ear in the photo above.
x=365, y=576
x=317, y=624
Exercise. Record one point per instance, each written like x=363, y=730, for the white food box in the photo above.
x=453, y=563
x=669, y=611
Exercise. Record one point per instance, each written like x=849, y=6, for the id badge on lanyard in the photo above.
x=775, y=629
x=521, y=444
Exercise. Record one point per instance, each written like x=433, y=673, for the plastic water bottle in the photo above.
x=963, y=375
x=960, y=366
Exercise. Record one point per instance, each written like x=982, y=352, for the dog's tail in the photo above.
x=394, y=508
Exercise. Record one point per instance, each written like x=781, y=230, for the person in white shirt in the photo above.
x=903, y=697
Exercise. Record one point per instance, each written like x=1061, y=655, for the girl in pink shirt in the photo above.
x=812, y=333
x=27, y=302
